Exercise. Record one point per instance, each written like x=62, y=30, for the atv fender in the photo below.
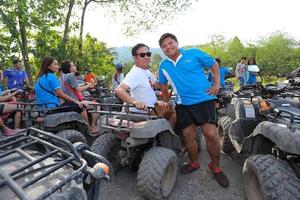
x=287, y=139
x=54, y=120
x=239, y=130
x=150, y=128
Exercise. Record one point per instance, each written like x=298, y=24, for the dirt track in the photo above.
x=196, y=186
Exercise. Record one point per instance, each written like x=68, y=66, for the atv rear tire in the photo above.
x=266, y=177
x=71, y=135
x=157, y=173
x=107, y=146
x=223, y=132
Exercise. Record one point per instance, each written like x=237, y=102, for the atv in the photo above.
x=65, y=124
x=224, y=96
x=248, y=92
x=269, y=131
x=145, y=143
x=39, y=165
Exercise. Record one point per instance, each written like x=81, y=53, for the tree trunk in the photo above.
x=24, y=44
x=86, y=3
x=67, y=24
x=25, y=51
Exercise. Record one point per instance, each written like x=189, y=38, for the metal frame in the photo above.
x=32, y=136
x=126, y=115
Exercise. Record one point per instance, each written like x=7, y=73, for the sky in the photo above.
x=247, y=19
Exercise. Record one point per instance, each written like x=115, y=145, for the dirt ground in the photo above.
x=195, y=186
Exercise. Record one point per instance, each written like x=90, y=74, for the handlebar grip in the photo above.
x=100, y=170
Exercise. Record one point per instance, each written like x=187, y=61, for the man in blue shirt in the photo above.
x=16, y=76
x=183, y=69
x=224, y=71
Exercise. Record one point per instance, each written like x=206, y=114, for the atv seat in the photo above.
x=290, y=110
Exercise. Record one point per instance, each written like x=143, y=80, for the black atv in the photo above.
x=64, y=123
x=224, y=97
x=269, y=131
x=39, y=165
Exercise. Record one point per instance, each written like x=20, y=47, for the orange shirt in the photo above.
x=89, y=76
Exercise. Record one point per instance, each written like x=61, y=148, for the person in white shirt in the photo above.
x=118, y=76
x=140, y=81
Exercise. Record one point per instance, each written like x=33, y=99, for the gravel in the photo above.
x=195, y=186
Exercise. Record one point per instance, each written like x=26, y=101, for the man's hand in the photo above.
x=80, y=104
x=214, y=89
x=162, y=104
x=139, y=105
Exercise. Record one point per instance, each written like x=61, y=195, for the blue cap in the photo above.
x=119, y=65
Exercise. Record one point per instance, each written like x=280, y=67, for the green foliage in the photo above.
x=138, y=16
x=276, y=54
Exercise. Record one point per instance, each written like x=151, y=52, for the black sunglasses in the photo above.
x=144, y=54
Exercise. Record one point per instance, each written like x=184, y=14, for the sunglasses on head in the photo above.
x=144, y=54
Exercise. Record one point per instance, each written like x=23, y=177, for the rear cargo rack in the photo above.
x=124, y=117
x=68, y=155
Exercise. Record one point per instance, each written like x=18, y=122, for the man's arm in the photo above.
x=216, y=77
x=8, y=96
x=165, y=92
x=27, y=83
x=122, y=93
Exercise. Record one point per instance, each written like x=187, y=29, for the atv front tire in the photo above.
x=157, y=173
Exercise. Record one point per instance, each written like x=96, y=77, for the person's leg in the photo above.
x=6, y=131
x=212, y=142
x=2, y=125
x=95, y=116
x=213, y=147
x=17, y=120
x=173, y=120
x=8, y=108
x=189, y=139
x=84, y=116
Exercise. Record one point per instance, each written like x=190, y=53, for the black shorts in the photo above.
x=198, y=114
x=67, y=107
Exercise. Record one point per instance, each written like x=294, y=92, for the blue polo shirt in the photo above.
x=187, y=76
x=46, y=93
x=15, y=78
x=223, y=72
x=250, y=78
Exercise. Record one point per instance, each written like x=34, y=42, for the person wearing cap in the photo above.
x=16, y=76
x=118, y=76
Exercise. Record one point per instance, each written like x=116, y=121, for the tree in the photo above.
x=138, y=15
x=22, y=17
x=277, y=54
x=155, y=60
x=67, y=24
x=235, y=51
x=96, y=56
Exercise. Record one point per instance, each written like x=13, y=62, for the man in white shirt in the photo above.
x=140, y=82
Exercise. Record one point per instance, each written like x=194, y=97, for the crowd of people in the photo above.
x=183, y=70
x=62, y=92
